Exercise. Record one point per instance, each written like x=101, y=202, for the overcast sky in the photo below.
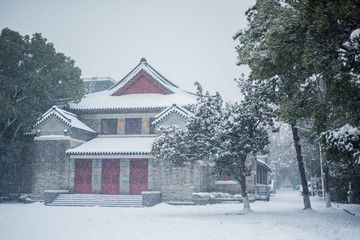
x=185, y=40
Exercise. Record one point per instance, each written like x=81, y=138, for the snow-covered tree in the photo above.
x=344, y=140
x=307, y=54
x=272, y=46
x=220, y=138
x=178, y=146
x=241, y=135
x=332, y=56
x=341, y=149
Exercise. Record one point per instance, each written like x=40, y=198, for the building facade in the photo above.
x=102, y=144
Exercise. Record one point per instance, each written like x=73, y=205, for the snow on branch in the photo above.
x=355, y=34
x=345, y=139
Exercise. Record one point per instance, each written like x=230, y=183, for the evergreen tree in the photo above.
x=307, y=53
x=33, y=77
x=220, y=138
x=272, y=46
x=332, y=55
x=241, y=135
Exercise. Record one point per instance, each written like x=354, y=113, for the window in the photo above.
x=109, y=126
x=261, y=174
x=225, y=176
x=151, y=126
x=133, y=126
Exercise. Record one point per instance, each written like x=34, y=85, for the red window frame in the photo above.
x=111, y=125
x=131, y=122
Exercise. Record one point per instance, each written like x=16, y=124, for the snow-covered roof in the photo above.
x=264, y=164
x=70, y=119
x=183, y=112
x=123, y=145
x=106, y=100
x=143, y=66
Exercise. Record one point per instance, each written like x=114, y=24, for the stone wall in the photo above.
x=151, y=198
x=176, y=183
x=50, y=195
x=125, y=176
x=51, y=166
x=96, y=181
x=231, y=187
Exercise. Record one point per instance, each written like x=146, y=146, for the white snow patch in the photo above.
x=355, y=34
x=115, y=145
x=226, y=182
x=279, y=219
x=103, y=100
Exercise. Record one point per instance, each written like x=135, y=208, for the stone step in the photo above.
x=181, y=203
x=98, y=200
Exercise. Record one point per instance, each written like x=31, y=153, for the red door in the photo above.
x=138, y=176
x=111, y=176
x=83, y=172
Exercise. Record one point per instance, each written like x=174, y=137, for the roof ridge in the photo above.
x=167, y=80
x=123, y=79
x=149, y=70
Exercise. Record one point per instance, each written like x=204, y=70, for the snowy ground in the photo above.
x=281, y=218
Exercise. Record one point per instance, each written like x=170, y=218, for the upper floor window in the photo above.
x=109, y=126
x=151, y=126
x=133, y=126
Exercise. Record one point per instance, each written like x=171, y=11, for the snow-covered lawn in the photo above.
x=281, y=218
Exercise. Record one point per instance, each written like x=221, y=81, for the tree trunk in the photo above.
x=242, y=181
x=300, y=161
x=327, y=185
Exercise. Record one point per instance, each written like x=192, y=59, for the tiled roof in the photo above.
x=119, y=145
x=143, y=66
x=261, y=162
x=70, y=119
x=183, y=112
x=105, y=100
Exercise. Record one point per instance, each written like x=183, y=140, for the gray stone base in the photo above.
x=151, y=198
x=50, y=195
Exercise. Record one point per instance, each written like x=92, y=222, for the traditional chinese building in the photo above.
x=102, y=144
